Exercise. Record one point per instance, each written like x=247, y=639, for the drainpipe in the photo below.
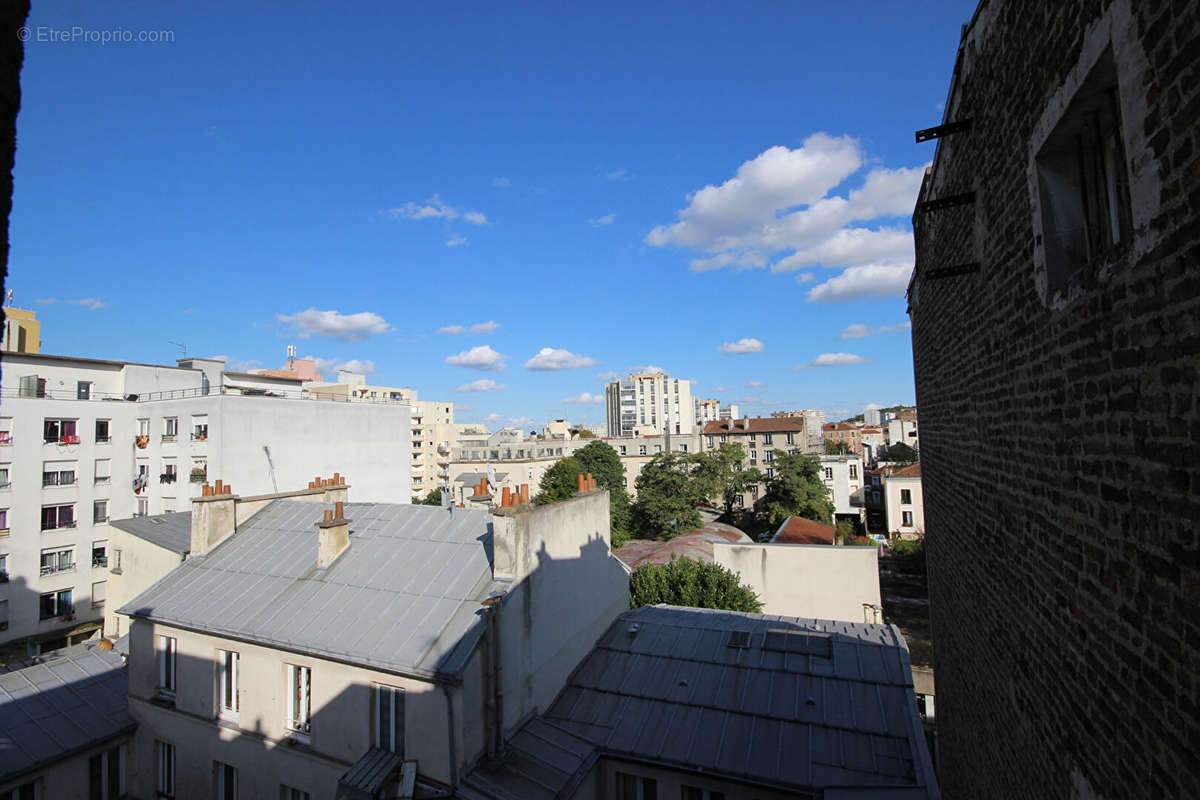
x=450, y=735
x=495, y=699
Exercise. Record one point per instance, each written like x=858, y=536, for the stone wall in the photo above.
x=1060, y=428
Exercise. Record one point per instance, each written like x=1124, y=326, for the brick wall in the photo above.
x=1061, y=434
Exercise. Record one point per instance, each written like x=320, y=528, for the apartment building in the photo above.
x=525, y=461
x=904, y=503
x=433, y=428
x=902, y=428
x=360, y=638
x=1055, y=347
x=762, y=438
x=83, y=441
x=844, y=477
x=649, y=402
x=700, y=704
x=846, y=433
x=21, y=333
x=712, y=411
x=814, y=420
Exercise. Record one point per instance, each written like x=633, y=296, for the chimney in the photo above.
x=580, y=483
x=214, y=518
x=333, y=535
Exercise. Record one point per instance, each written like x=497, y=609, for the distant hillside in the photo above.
x=889, y=410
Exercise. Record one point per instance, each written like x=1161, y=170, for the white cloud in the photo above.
x=479, y=327
x=648, y=369
x=46, y=301
x=742, y=346
x=521, y=422
x=482, y=357
x=754, y=384
x=493, y=417
x=88, y=302
x=856, y=283
x=434, y=208
x=456, y=241
x=336, y=325
x=481, y=385
x=608, y=376
x=721, y=389
x=241, y=366
x=584, y=399
x=555, y=358
x=607, y=219
x=778, y=209
x=501, y=182
x=860, y=331
x=331, y=366
x=618, y=175
x=833, y=360
x=806, y=277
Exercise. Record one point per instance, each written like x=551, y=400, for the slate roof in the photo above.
x=72, y=701
x=171, y=531
x=403, y=597
x=808, y=705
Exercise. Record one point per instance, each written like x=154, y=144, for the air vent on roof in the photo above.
x=739, y=639
x=158, y=520
x=808, y=643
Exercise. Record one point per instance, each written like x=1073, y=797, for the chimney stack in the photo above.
x=333, y=536
x=214, y=518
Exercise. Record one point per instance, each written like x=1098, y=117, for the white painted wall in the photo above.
x=893, y=497
x=803, y=580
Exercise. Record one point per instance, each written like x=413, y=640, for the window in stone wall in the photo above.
x=1083, y=180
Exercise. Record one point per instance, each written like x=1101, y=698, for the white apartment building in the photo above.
x=844, y=477
x=903, y=428
x=433, y=428
x=904, y=502
x=85, y=440
x=652, y=401
x=712, y=411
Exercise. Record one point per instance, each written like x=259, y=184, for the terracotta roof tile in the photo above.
x=757, y=425
x=798, y=530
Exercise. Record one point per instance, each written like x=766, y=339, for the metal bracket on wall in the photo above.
x=952, y=271
x=966, y=198
x=938, y=131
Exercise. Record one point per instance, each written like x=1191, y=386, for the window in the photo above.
x=388, y=708
x=3, y=615
x=766, y=438
x=59, y=430
x=853, y=471
x=143, y=428
x=166, y=663
x=1083, y=180
x=906, y=497
x=225, y=780
x=99, y=511
x=695, y=793
x=906, y=519
x=106, y=775
x=4, y=480
x=227, y=684
x=199, y=429
x=829, y=473
x=170, y=472
x=103, y=431
x=754, y=490
x=635, y=787
x=299, y=699
x=5, y=430
x=58, y=560
x=103, y=470
x=291, y=793
x=753, y=455
x=770, y=473
x=25, y=791
x=99, y=592
x=641, y=449
x=54, y=517
x=683, y=448
x=58, y=473
x=170, y=428
x=164, y=759
x=658, y=448
x=3, y=521
x=56, y=604
x=143, y=507
x=83, y=390
x=99, y=554
x=4, y=564
x=116, y=560
x=33, y=386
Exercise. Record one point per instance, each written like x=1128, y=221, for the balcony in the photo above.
x=99, y=561
x=67, y=439
x=168, y=438
x=418, y=469
x=443, y=448
x=55, y=569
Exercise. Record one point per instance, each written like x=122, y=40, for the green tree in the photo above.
x=684, y=582
x=600, y=459
x=797, y=490
x=559, y=482
x=434, y=498
x=900, y=453
x=721, y=473
x=667, y=496
x=833, y=448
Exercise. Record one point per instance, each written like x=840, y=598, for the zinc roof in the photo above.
x=404, y=596
x=74, y=700
x=171, y=531
x=807, y=705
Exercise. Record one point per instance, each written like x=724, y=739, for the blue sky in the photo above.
x=720, y=190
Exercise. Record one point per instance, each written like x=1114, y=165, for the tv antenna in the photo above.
x=291, y=355
x=182, y=347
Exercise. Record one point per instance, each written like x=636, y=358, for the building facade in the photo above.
x=22, y=333
x=83, y=441
x=1055, y=352
x=712, y=411
x=904, y=503
x=650, y=400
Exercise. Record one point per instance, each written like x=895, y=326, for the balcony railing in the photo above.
x=99, y=561
x=66, y=439
x=55, y=569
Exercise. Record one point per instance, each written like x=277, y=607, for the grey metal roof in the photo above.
x=368, y=774
x=663, y=685
x=171, y=531
x=404, y=596
x=72, y=701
